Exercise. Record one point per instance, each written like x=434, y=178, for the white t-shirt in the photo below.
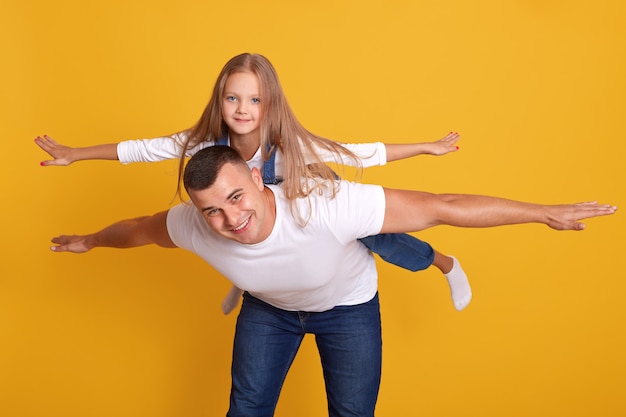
x=300, y=268
x=159, y=149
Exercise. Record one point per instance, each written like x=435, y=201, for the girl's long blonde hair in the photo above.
x=305, y=170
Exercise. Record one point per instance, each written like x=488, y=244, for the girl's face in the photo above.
x=241, y=106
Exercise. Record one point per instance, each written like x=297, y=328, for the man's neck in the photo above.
x=269, y=200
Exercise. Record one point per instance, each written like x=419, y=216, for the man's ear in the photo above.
x=257, y=177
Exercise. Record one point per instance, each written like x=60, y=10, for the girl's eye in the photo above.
x=256, y=100
x=231, y=98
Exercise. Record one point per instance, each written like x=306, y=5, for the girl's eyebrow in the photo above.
x=230, y=93
x=235, y=191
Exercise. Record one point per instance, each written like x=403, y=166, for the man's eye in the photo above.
x=237, y=197
x=212, y=212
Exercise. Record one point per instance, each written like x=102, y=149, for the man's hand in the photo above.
x=566, y=217
x=71, y=243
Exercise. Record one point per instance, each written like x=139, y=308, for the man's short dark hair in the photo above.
x=202, y=169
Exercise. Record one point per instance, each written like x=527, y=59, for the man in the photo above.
x=301, y=267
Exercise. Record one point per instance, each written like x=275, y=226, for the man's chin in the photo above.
x=240, y=238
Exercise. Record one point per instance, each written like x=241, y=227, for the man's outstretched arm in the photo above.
x=123, y=234
x=410, y=211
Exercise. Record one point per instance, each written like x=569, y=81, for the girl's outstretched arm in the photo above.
x=439, y=147
x=129, y=151
x=379, y=153
x=64, y=155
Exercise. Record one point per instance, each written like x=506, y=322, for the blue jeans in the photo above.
x=267, y=339
x=402, y=250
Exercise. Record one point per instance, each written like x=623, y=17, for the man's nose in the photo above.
x=232, y=217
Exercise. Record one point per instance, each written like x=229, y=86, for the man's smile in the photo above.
x=242, y=226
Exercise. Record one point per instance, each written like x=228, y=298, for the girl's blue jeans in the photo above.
x=402, y=250
x=267, y=339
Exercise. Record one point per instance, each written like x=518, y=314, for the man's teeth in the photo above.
x=242, y=226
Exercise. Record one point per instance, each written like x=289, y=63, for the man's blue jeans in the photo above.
x=401, y=249
x=266, y=342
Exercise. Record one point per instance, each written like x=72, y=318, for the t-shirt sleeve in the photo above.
x=155, y=149
x=180, y=225
x=370, y=154
x=357, y=211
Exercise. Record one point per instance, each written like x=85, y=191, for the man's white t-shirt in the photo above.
x=314, y=267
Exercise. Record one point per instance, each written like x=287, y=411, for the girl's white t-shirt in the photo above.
x=159, y=149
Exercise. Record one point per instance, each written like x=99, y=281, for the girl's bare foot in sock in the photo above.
x=231, y=300
x=460, y=289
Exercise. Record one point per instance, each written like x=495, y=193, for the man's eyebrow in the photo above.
x=235, y=191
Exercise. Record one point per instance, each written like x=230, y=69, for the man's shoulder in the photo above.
x=182, y=215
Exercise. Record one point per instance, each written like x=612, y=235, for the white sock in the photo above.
x=232, y=299
x=459, y=286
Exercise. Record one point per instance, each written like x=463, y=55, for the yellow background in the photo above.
x=536, y=87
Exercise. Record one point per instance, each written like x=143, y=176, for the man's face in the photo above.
x=236, y=206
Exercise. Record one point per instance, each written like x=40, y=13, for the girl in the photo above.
x=249, y=112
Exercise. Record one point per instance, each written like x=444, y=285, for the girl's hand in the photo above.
x=444, y=145
x=62, y=154
x=447, y=144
